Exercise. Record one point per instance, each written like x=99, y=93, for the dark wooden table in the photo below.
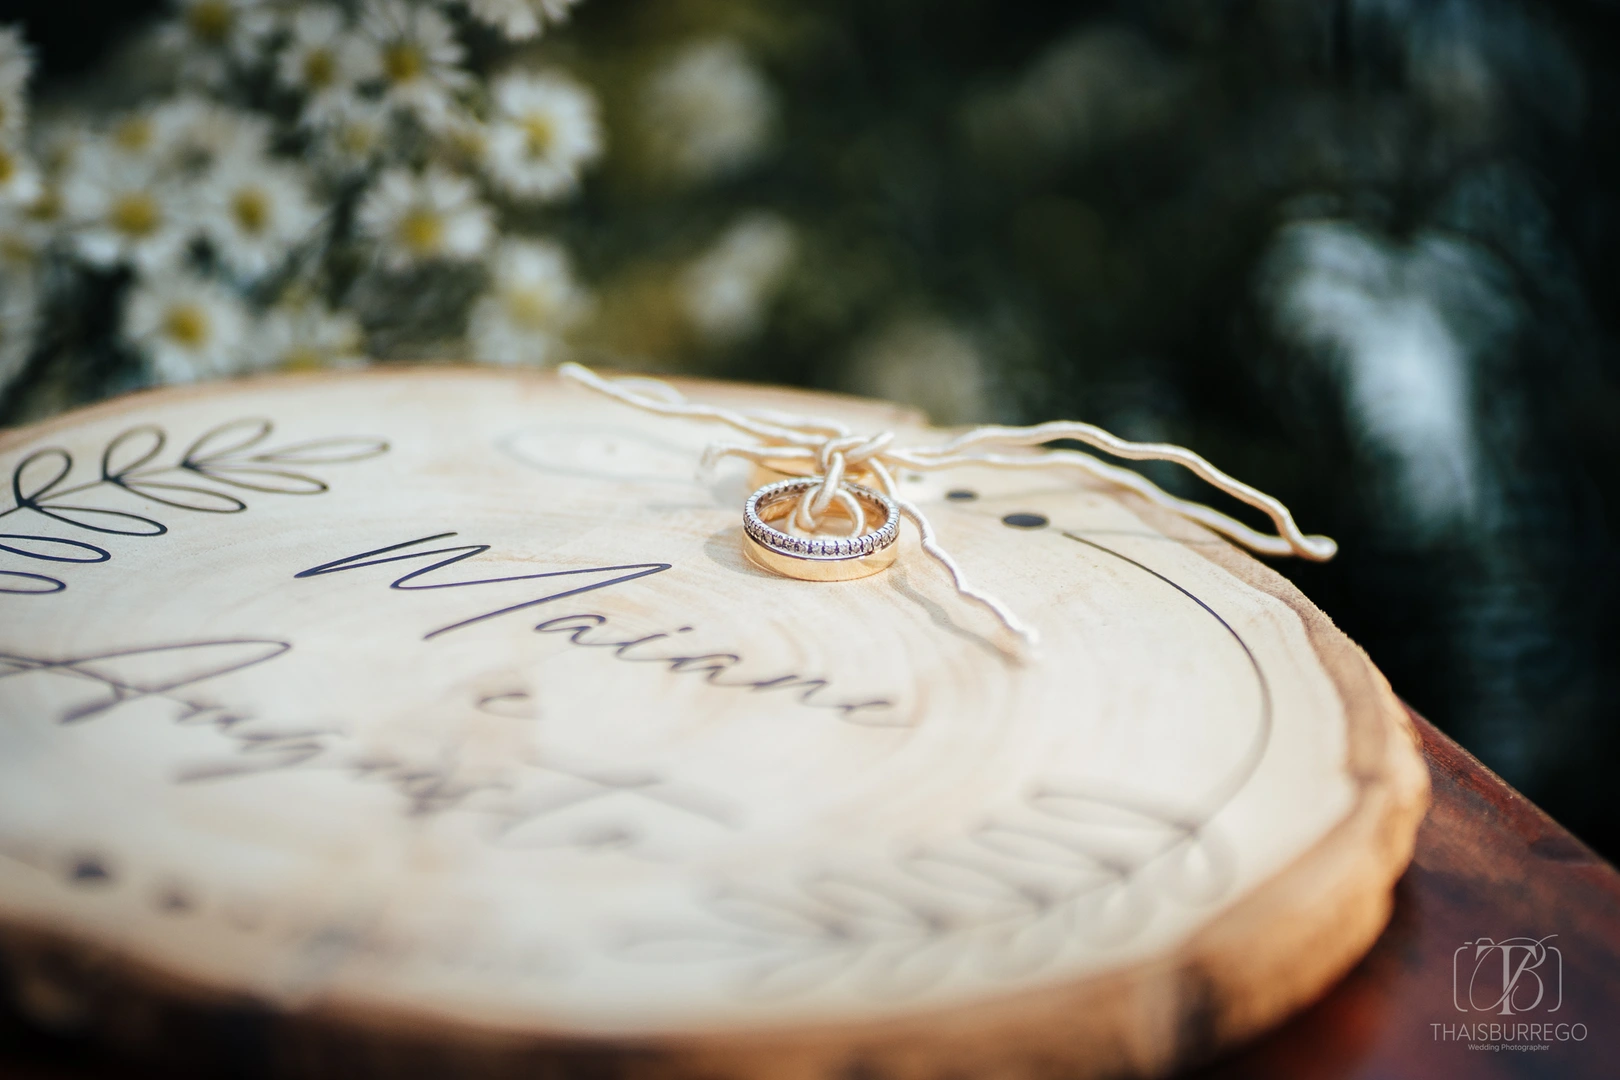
x=1489, y=864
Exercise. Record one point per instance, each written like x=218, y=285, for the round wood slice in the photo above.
x=398, y=723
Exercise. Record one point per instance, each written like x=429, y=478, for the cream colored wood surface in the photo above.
x=440, y=713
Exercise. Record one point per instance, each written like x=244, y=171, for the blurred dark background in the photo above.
x=1360, y=253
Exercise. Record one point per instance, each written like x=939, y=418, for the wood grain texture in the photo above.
x=1485, y=857
x=334, y=734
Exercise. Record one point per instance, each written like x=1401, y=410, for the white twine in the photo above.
x=833, y=452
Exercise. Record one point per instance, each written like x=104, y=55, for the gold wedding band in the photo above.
x=817, y=558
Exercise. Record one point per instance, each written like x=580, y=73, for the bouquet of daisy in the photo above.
x=320, y=183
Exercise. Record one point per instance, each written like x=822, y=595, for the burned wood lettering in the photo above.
x=577, y=627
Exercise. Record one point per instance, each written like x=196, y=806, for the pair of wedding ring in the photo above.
x=819, y=558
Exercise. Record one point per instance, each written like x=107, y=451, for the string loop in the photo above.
x=833, y=453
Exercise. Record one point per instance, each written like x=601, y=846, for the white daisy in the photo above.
x=324, y=60
x=708, y=110
x=532, y=300
x=206, y=38
x=59, y=139
x=350, y=134
x=543, y=133
x=16, y=65
x=19, y=179
x=926, y=362
x=123, y=209
x=255, y=212
x=28, y=226
x=464, y=140
x=134, y=134
x=195, y=137
x=308, y=337
x=187, y=135
x=419, y=218
x=188, y=329
x=19, y=320
x=727, y=289
x=419, y=56
x=520, y=19
x=27, y=229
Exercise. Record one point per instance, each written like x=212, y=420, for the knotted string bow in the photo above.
x=834, y=454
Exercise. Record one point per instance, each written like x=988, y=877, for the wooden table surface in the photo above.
x=1489, y=864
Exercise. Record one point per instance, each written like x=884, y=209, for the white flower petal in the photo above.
x=532, y=302
x=417, y=218
x=187, y=328
x=544, y=133
x=709, y=110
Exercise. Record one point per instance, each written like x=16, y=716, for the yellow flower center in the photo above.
x=209, y=21
x=136, y=214
x=320, y=69
x=468, y=141
x=403, y=61
x=15, y=248
x=356, y=139
x=533, y=308
x=133, y=134
x=422, y=232
x=541, y=132
x=251, y=209
x=46, y=208
x=303, y=358
x=187, y=324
